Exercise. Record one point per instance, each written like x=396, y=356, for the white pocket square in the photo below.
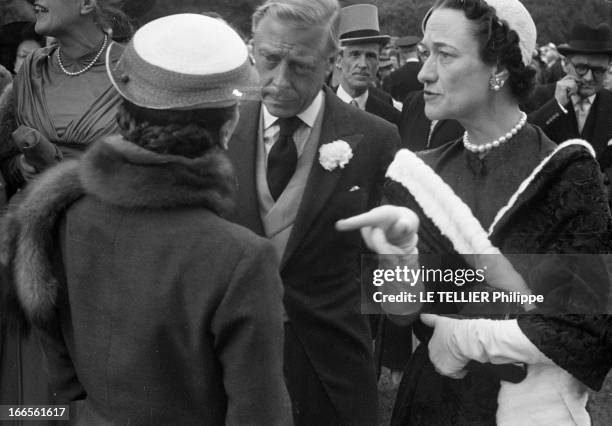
x=355, y=188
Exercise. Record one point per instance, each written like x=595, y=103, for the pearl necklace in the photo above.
x=478, y=149
x=91, y=64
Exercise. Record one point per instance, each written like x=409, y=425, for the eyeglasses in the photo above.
x=582, y=69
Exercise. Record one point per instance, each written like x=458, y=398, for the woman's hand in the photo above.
x=444, y=353
x=385, y=229
x=455, y=342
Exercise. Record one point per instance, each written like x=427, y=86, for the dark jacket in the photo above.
x=560, y=127
x=151, y=308
x=380, y=103
x=321, y=266
x=376, y=105
x=403, y=80
x=415, y=126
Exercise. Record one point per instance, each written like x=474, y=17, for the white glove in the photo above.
x=457, y=341
x=386, y=229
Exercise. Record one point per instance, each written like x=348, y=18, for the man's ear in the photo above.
x=88, y=6
x=338, y=61
x=331, y=61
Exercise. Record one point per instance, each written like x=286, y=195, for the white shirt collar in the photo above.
x=591, y=99
x=412, y=60
x=345, y=97
x=308, y=116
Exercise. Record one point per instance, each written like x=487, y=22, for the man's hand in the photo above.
x=566, y=87
x=385, y=229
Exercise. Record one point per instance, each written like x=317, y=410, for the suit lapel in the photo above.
x=243, y=151
x=597, y=128
x=337, y=124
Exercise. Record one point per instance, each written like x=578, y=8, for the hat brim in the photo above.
x=152, y=93
x=566, y=49
x=381, y=39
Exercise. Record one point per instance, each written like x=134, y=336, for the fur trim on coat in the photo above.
x=116, y=172
x=7, y=119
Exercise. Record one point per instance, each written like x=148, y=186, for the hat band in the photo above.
x=141, y=69
x=589, y=45
x=150, y=86
x=360, y=34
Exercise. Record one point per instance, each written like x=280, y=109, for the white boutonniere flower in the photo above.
x=335, y=154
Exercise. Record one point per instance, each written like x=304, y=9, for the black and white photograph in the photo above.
x=306, y=212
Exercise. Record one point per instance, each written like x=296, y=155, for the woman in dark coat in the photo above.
x=150, y=307
x=502, y=191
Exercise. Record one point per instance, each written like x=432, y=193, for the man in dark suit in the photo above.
x=578, y=106
x=404, y=80
x=418, y=132
x=303, y=160
x=361, y=43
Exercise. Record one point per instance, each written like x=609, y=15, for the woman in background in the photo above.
x=62, y=91
x=64, y=97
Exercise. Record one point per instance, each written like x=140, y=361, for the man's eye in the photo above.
x=301, y=68
x=269, y=61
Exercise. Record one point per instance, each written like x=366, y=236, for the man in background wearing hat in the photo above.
x=303, y=160
x=404, y=80
x=578, y=106
x=361, y=43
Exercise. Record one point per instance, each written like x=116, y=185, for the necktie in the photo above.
x=354, y=103
x=582, y=110
x=282, y=157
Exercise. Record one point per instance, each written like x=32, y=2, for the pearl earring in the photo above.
x=496, y=83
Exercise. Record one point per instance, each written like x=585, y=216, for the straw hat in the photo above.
x=182, y=61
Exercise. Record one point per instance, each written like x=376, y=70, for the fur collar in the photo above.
x=7, y=113
x=121, y=173
x=116, y=172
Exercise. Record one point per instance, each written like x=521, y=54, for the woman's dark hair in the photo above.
x=189, y=133
x=498, y=43
x=111, y=17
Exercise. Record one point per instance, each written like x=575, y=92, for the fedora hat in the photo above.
x=176, y=62
x=359, y=24
x=587, y=39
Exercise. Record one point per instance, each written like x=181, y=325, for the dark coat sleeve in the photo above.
x=580, y=344
x=248, y=339
x=547, y=117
